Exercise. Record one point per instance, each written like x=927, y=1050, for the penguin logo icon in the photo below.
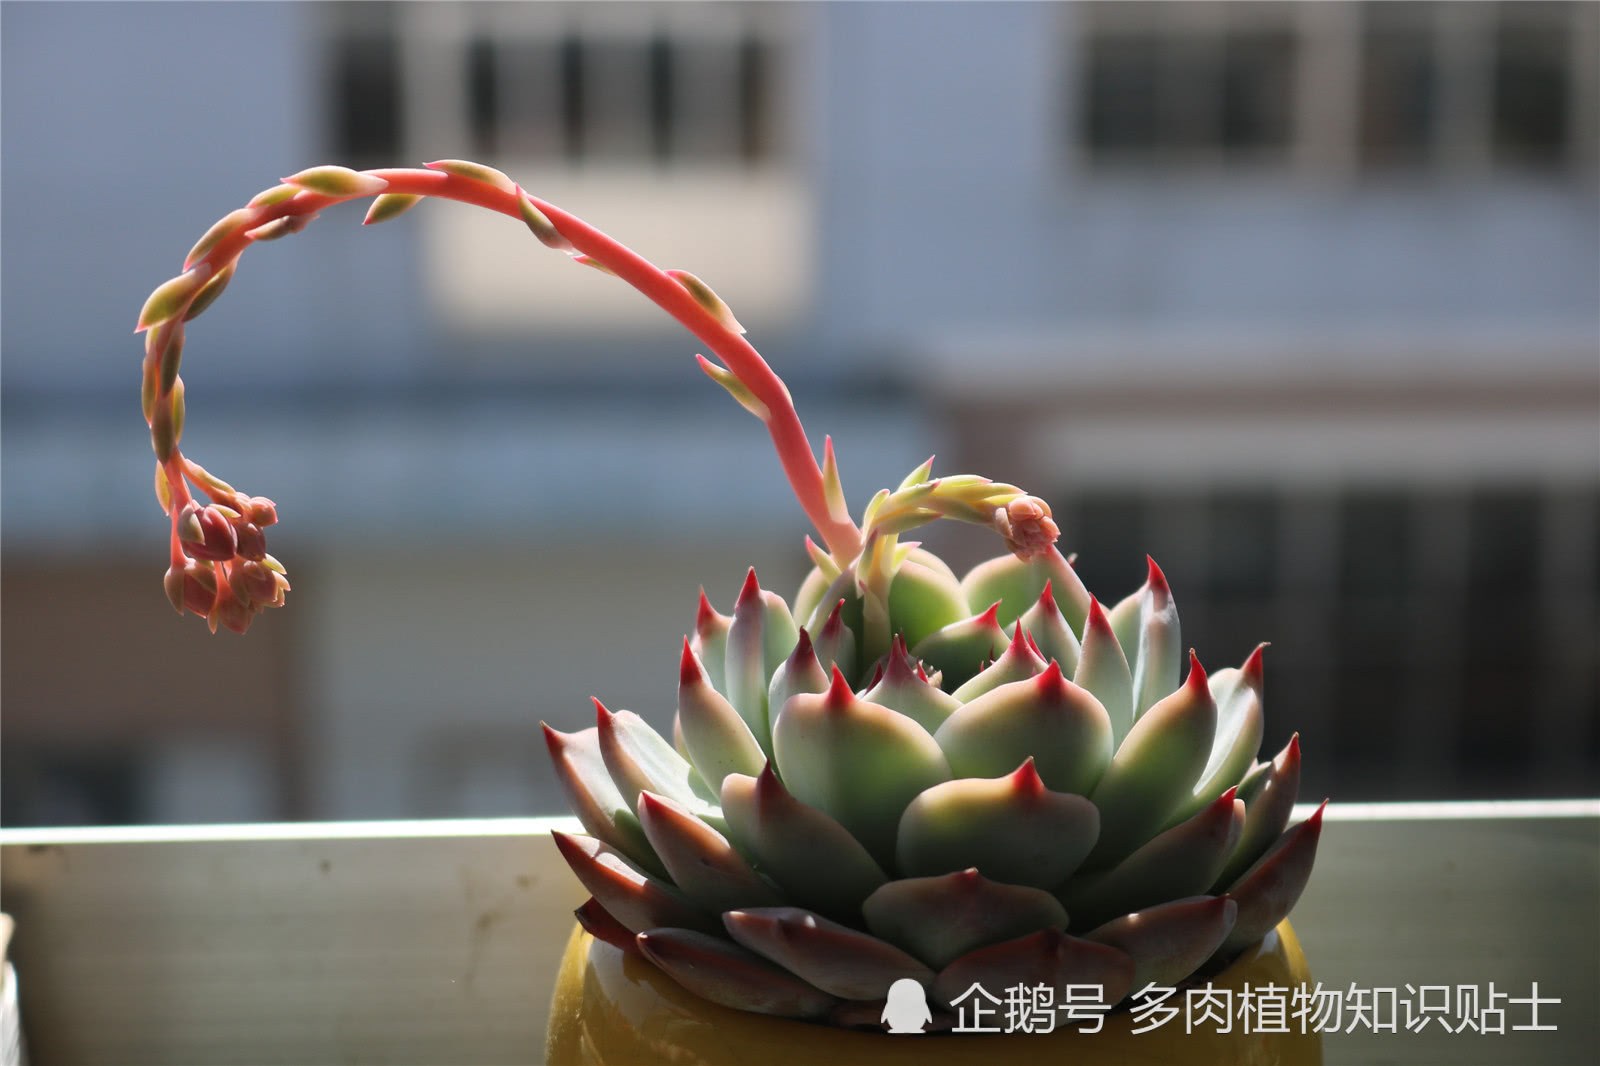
x=907, y=1008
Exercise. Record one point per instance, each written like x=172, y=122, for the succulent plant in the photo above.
x=898, y=773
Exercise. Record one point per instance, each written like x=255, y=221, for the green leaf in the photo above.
x=939, y=919
x=1011, y=829
x=784, y=836
x=1155, y=768
x=337, y=181
x=390, y=205
x=1059, y=724
x=857, y=761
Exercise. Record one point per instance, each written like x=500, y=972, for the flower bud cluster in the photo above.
x=1026, y=525
x=226, y=575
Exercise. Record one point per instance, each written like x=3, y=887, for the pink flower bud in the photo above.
x=173, y=584
x=218, y=538
x=259, y=583
x=232, y=615
x=260, y=510
x=252, y=542
x=199, y=588
x=188, y=524
x=1026, y=524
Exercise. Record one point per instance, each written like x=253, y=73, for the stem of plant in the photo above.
x=737, y=354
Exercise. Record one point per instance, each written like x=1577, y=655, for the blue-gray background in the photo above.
x=1304, y=299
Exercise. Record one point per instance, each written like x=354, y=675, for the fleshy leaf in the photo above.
x=1018, y=662
x=633, y=898
x=639, y=759
x=716, y=740
x=594, y=798
x=598, y=923
x=1238, y=693
x=1267, y=809
x=761, y=637
x=800, y=672
x=337, y=181
x=784, y=836
x=902, y=689
x=1017, y=585
x=747, y=671
x=960, y=649
x=466, y=168
x=390, y=205
x=1103, y=671
x=1146, y=625
x=834, y=643
x=1269, y=890
x=1012, y=829
x=841, y=961
x=710, y=641
x=859, y=762
x=1170, y=941
x=923, y=598
x=1050, y=631
x=1183, y=861
x=1156, y=767
x=939, y=919
x=702, y=863
x=1060, y=725
x=1047, y=957
x=723, y=972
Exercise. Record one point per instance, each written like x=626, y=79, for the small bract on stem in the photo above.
x=210, y=569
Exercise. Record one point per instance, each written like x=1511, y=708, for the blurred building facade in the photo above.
x=1303, y=299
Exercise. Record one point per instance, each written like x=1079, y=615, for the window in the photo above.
x=1372, y=86
x=1153, y=96
x=363, y=76
x=685, y=83
x=1427, y=639
x=613, y=109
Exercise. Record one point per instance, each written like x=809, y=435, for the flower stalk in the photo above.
x=289, y=207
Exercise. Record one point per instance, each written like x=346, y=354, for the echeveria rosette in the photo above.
x=898, y=773
x=1024, y=788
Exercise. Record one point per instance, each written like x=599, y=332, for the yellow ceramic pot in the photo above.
x=613, y=1008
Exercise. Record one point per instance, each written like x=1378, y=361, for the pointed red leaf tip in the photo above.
x=569, y=847
x=1197, y=676
x=1025, y=781
x=922, y=675
x=830, y=628
x=1047, y=600
x=968, y=880
x=554, y=739
x=804, y=654
x=598, y=923
x=839, y=694
x=705, y=615
x=768, y=787
x=900, y=667
x=1156, y=582
x=689, y=670
x=1227, y=798
x=1051, y=686
x=1291, y=753
x=1019, y=641
x=1098, y=620
x=602, y=714
x=1033, y=646
x=750, y=591
x=877, y=675
x=990, y=617
x=1253, y=671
